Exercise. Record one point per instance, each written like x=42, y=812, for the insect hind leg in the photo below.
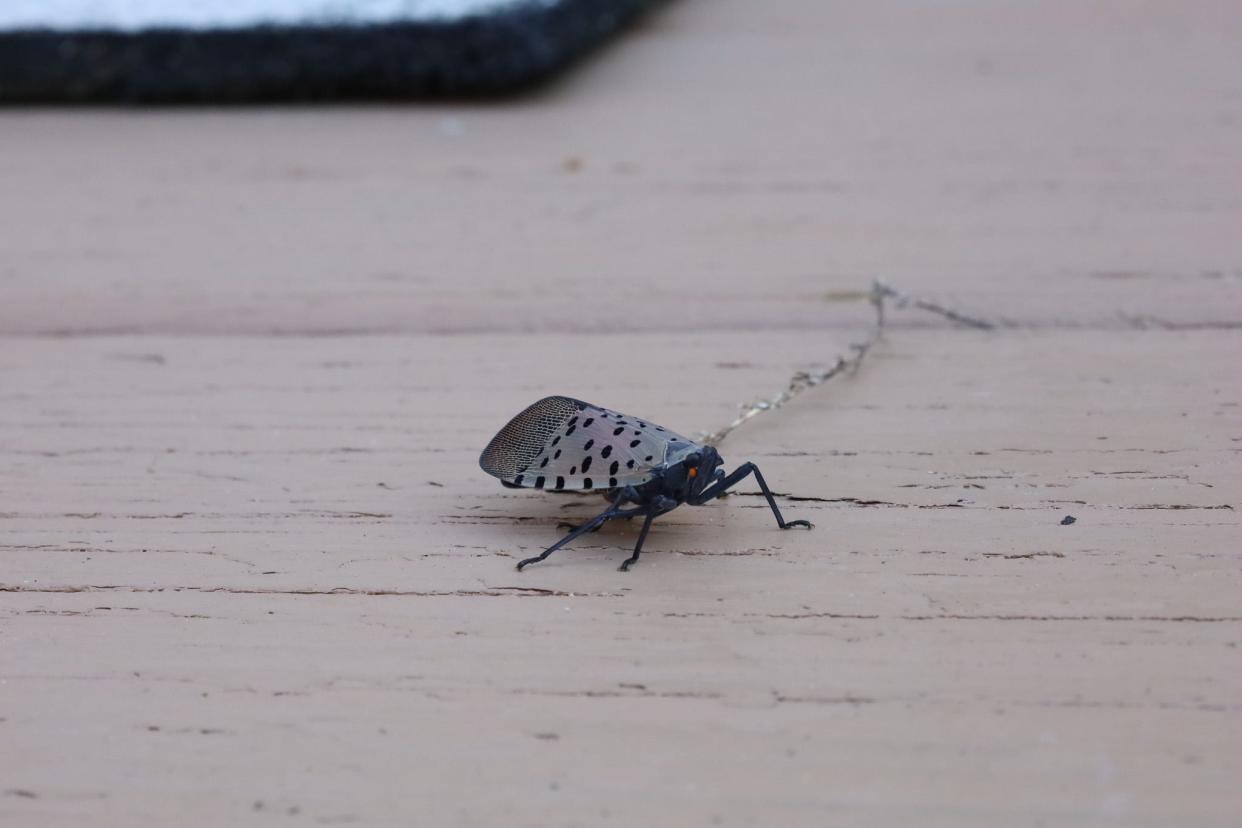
x=615, y=513
x=590, y=526
x=740, y=473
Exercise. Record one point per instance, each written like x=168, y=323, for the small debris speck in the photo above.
x=1068, y=519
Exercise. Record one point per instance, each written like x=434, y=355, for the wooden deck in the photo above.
x=250, y=572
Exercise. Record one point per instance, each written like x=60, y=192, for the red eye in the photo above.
x=694, y=472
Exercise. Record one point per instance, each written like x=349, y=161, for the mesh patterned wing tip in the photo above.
x=523, y=438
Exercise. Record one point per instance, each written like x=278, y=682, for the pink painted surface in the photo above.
x=253, y=578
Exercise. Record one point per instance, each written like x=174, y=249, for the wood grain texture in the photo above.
x=252, y=574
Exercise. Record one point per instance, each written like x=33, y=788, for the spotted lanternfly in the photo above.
x=565, y=444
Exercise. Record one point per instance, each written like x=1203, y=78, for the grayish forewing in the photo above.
x=589, y=448
x=523, y=439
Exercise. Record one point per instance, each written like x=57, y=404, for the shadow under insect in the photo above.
x=563, y=444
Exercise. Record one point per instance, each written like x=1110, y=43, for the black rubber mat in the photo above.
x=507, y=49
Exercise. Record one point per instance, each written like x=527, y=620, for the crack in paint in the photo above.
x=487, y=592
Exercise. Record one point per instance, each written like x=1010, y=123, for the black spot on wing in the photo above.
x=605, y=451
x=634, y=443
x=586, y=483
x=560, y=482
x=612, y=482
x=538, y=482
x=618, y=430
x=586, y=464
x=589, y=443
x=587, y=422
x=616, y=464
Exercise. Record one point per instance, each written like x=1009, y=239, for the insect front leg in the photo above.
x=731, y=480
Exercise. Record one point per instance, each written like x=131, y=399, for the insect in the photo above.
x=563, y=444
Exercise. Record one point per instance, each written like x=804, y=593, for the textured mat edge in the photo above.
x=488, y=55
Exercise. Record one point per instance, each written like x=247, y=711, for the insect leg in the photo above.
x=727, y=482
x=612, y=513
x=626, y=494
x=590, y=526
x=642, y=536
